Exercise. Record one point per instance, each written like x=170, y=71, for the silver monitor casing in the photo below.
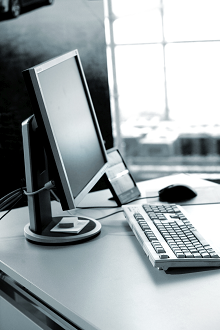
x=71, y=201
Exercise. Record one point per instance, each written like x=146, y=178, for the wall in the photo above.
x=38, y=34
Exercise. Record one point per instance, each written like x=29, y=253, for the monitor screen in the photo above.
x=66, y=119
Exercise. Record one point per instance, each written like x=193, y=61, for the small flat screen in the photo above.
x=72, y=123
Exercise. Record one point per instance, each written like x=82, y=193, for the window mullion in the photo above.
x=110, y=17
x=166, y=115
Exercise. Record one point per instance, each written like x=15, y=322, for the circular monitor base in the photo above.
x=90, y=231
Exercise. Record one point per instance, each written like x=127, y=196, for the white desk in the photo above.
x=108, y=283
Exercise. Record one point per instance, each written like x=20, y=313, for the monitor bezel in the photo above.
x=68, y=201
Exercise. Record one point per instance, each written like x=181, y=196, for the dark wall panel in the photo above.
x=38, y=34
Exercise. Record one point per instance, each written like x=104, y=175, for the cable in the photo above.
x=12, y=198
x=211, y=203
x=54, y=195
x=109, y=207
x=8, y=201
x=137, y=199
x=49, y=185
x=9, y=194
x=18, y=199
x=106, y=216
x=97, y=207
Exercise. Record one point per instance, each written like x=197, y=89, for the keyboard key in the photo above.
x=143, y=226
x=138, y=216
x=205, y=255
x=177, y=250
x=156, y=243
x=198, y=246
x=201, y=250
x=193, y=250
x=185, y=250
x=159, y=250
x=214, y=255
x=180, y=255
x=163, y=256
x=188, y=255
x=197, y=255
x=151, y=238
x=174, y=216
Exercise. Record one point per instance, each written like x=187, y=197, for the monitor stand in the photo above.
x=43, y=228
x=48, y=237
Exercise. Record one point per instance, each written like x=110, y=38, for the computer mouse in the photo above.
x=176, y=193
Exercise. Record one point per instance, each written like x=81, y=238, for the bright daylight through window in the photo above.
x=164, y=75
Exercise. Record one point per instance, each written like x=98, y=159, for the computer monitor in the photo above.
x=62, y=142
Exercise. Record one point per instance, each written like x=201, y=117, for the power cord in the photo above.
x=112, y=207
x=16, y=200
x=186, y=204
x=109, y=215
x=49, y=185
x=9, y=201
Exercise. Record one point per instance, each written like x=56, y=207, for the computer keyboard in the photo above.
x=168, y=237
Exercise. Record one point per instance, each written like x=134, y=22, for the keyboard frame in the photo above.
x=156, y=261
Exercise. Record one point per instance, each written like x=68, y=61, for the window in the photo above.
x=164, y=75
